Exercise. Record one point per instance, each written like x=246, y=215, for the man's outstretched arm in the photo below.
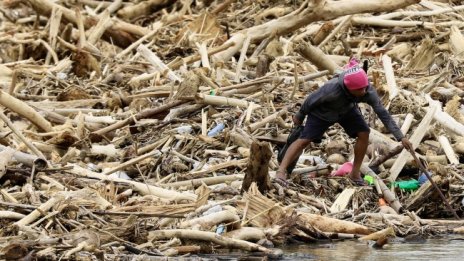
x=387, y=119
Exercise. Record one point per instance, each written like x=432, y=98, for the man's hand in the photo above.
x=296, y=120
x=407, y=144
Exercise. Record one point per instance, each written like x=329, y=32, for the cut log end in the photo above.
x=258, y=167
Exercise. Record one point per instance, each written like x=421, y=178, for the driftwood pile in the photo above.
x=149, y=128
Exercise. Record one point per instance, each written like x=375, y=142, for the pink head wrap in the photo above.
x=355, y=78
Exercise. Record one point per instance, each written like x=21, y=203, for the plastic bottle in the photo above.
x=184, y=129
x=382, y=202
x=409, y=185
x=369, y=179
x=423, y=178
x=215, y=131
x=220, y=229
x=61, y=76
x=343, y=169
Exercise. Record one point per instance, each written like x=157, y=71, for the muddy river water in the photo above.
x=437, y=248
x=446, y=248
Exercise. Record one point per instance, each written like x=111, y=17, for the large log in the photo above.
x=254, y=126
x=25, y=110
x=210, y=220
x=252, y=234
x=390, y=77
x=445, y=119
x=326, y=224
x=27, y=159
x=316, y=56
x=20, y=135
x=380, y=234
x=208, y=181
x=445, y=144
x=407, y=123
x=142, y=188
x=211, y=237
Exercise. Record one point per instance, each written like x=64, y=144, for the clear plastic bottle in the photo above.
x=423, y=178
x=220, y=229
x=215, y=131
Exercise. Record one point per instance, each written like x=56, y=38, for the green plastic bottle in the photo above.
x=408, y=185
x=369, y=179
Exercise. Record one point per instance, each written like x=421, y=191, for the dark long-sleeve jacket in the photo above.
x=332, y=101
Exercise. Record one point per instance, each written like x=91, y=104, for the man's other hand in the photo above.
x=407, y=144
x=296, y=120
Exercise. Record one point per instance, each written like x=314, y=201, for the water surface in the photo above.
x=443, y=248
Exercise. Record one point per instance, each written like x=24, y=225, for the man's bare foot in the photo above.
x=281, y=178
x=357, y=180
x=281, y=174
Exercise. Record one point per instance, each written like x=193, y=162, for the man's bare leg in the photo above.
x=293, y=152
x=360, y=149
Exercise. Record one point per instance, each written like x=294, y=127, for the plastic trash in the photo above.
x=61, y=76
x=382, y=202
x=196, y=164
x=205, y=166
x=184, y=129
x=423, y=178
x=93, y=167
x=120, y=174
x=408, y=185
x=343, y=170
x=369, y=179
x=215, y=131
x=220, y=229
x=212, y=210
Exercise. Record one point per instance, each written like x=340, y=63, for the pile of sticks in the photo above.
x=152, y=127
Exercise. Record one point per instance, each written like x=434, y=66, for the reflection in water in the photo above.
x=447, y=248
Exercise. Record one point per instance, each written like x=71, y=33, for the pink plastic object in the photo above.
x=352, y=63
x=343, y=170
